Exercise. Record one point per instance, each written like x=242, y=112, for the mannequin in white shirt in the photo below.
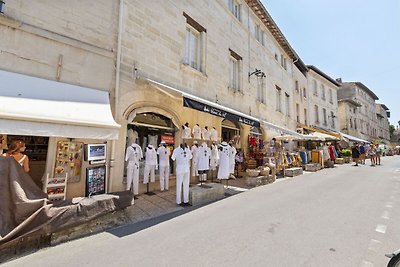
x=206, y=134
x=150, y=164
x=203, y=161
x=194, y=149
x=232, y=157
x=186, y=131
x=214, y=160
x=163, y=154
x=224, y=161
x=214, y=134
x=182, y=157
x=133, y=156
x=197, y=132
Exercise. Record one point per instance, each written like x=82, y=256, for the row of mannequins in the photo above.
x=198, y=160
x=199, y=133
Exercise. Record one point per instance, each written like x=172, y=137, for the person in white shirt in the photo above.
x=224, y=161
x=133, y=156
x=203, y=161
x=150, y=165
x=182, y=156
x=196, y=132
x=194, y=149
x=163, y=160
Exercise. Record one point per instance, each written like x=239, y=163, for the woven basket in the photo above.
x=252, y=172
x=264, y=171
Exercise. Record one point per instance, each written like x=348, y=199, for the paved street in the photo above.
x=347, y=216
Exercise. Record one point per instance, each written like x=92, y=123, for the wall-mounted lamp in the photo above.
x=258, y=73
x=2, y=3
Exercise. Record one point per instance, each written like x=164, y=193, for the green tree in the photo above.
x=391, y=130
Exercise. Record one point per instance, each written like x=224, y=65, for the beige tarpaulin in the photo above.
x=25, y=210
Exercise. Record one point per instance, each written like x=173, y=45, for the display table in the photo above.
x=205, y=193
x=312, y=167
x=292, y=172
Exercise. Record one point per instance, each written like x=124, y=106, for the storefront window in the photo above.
x=231, y=132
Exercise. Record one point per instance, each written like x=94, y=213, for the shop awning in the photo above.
x=39, y=107
x=282, y=131
x=347, y=138
x=321, y=130
x=323, y=137
x=206, y=106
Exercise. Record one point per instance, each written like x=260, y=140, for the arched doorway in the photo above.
x=230, y=131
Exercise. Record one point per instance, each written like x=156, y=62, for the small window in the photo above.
x=333, y=120
x=304, y=93
x=325, y=118
x=287, y=106
x=323, y=92
x=2, y=7
x=316, y=110
x=261, y=90
x=236, y=9
x=305, y=116
x=278, y=99
x=276, y=57
x=297, y=112
x=234, y=71
x=315, y=87
x=330, y=96
x=283, y=62
x=296, y=86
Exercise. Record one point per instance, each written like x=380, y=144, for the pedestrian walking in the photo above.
x=372, y=153
x=378, y=155
x=355, y=152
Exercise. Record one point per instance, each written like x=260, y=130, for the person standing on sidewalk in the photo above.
x=355, y=152
x=372, y=153
x=378, y=154
x=362, y=153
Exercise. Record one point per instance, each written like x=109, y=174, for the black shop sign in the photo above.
x=190, y=103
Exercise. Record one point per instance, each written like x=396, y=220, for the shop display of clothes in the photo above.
x=214, y=159
x=186, y=131
x=152, y=140
x=132, y=137
x=194, y=151
x=224, y=161
x=133, y=156
x=163, y=153
x=203, y=160
x=150, y=164
x=182, y=156
x=304, y=157
x=196, y=132
x=232, y=156
x=332, y=151
x=214, y=134
x=206, y=134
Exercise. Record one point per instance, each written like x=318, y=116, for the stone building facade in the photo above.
x=383, y=115
x=323, y=101
x=357, y=111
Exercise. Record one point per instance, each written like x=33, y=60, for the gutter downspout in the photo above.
x=116, y=102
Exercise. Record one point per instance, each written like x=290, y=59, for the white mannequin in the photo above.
x=203, y=161
x=214, y=157
x=150, y=164
x=197, y=132
x=164, y=154
x=194, y=149
x=132, y=136
x=232, y=159
x=206, y=134
x=224, y=163
x=182, y=157
x=186, y=131
x=214, y=134
x=133, y=156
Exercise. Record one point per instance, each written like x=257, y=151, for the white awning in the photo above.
x=39, y=107
x=322, y=136
x=351, y=138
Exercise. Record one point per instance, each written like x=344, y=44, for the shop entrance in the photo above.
x=230, y=131
x=36, y=150
x=151, y=128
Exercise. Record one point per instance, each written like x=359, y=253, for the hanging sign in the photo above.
x=190, y=103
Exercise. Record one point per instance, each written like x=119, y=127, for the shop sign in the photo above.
x=190, y=103
x=169, y=140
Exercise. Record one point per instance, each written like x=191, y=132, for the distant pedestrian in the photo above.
x=355, y=152
x=372, y=154
x=378, y=154
x=362, y=153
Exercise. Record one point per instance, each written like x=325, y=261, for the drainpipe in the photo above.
x=116, y=95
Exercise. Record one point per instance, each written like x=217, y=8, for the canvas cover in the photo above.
x=24, y=208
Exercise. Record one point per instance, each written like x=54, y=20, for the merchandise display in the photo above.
x=214, y=159
x=224, y=161
x=69, y=160
x=182, y=156
x=196, y=132
x=151, y=164
x=206, y=134
x=163, y=153
x=232, y=157
x=214, y=134
x=194, y=151
x=186, y=131
x=133, y=156
x=203, y=160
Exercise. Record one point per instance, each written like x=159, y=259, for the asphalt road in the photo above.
x=346, y=216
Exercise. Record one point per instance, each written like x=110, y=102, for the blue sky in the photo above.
x=357, y=40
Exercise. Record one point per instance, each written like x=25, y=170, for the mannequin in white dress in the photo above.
x=224, y=162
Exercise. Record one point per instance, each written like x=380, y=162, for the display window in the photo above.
x=231, y=132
